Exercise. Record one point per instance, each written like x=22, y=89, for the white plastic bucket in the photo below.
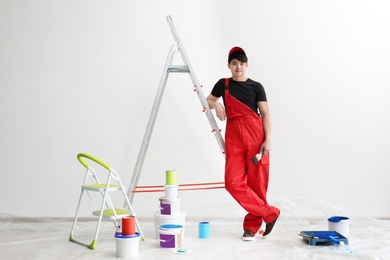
x=170, y=236
x=127, y=246
x=169, y=207
x=339, y=224
x=171, y=191
x=160, y=220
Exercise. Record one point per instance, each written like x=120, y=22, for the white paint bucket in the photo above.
x=127, y=246
x=160, y=220
x=339, y=224
x=171, y=191
x=170, y=236
x=169, y=207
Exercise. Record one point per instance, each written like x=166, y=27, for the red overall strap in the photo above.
x=226, y=83
x=232, y=110
x=226, y=91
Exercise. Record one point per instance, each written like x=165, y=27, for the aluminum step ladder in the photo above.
x=170, y=68
x=107, y=210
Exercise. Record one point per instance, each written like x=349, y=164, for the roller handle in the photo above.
x=334, y=240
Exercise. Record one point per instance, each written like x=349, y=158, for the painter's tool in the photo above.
x=323, y=238
x=334, y=240
x=257, y=157
x=307, y=236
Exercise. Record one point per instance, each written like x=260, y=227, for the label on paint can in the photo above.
x=169, y=207
x=170, y=235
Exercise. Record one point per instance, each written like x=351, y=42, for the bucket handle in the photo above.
x=164, y=207
x=164, y=241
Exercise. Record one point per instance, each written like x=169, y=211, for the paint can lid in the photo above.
x=170, y=226
x=337, y=219
x=164, y=199
x=119, y=235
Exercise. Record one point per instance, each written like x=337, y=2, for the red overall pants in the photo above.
x=245, y=181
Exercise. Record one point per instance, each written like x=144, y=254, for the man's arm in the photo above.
x=219, y=108
x=267, y=124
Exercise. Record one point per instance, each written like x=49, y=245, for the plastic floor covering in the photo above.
x=48, y=238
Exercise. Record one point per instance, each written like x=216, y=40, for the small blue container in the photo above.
x=204, y=230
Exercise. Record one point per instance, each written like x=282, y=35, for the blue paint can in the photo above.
x=204, y=229
x=339, y=224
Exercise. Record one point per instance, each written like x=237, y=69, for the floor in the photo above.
x=47, y=238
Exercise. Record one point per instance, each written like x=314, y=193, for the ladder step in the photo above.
x=109, y=213
x=179, y=68
x=100, y=187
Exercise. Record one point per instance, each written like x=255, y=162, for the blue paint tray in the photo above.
x=324, y=238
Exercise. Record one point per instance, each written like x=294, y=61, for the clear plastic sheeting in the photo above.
x=48, y=238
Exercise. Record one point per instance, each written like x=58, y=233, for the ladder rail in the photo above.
x=195, y=82
x=168, y=68
x=151, y=123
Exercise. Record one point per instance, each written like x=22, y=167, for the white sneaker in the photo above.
x=248, y=235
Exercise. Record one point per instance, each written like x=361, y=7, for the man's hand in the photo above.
x=266, y=147
x=220, y=112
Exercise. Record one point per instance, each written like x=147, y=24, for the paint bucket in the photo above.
x=128, y=226
x=339, y=224
x=170, y=177
x=160, y=220
x=171, y=191
x=204, y=230
x=170, y=236
x=127, y=246
x=169, y=207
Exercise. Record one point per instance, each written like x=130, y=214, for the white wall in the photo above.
x=81, y=76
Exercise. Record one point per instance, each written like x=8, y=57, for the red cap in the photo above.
x=236, y=49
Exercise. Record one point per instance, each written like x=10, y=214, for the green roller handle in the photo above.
x=80, y=157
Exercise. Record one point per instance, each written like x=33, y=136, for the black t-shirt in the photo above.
x=249, y=92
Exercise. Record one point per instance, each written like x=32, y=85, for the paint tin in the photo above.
x=128, y=226
x=170, y=235
x=339, y=224
x=204, y=230
x=169, y=207
x=170, y=177
x=171, y=191
x=160, y=220
x=127, y=246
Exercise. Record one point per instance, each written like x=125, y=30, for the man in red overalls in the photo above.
x=248, y=132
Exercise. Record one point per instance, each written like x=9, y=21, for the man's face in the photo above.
x=237, y=68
